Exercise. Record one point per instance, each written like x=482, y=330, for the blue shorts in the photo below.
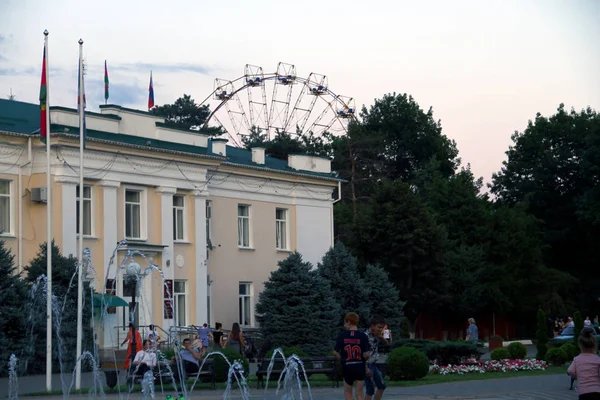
x=353, y=372
x=376, y=379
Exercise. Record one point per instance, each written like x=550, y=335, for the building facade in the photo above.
x=214, y=219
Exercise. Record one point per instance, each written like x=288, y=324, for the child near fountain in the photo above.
x=586, y=366
x=352, y=348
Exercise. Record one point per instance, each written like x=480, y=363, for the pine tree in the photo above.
x=64, y=289
x=340, y=269
x=13, y=290
x=384, y=297
x=541, y=335
x=297, y=308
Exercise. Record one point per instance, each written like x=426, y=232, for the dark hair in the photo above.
x=218, y=325
x=377, y=319
x=145, y=341
x=131, y=326
x=587, y=339
x=235, y=331
x=186, y=340
x=351, y=318
x=151, y=327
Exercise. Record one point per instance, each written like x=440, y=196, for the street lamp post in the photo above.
x=133, y=272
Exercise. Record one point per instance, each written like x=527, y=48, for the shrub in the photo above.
x=562, y=342
x=407, y=363
x=517, y=350
x=404, y=330
x=541, y=334
x=570, y=350
x=221, y=366
x=288, y=351
x=500, y=354
x=556, y=356
x=443, y=353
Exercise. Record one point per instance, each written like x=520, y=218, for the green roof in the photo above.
x=24, y=118
x=19, y=117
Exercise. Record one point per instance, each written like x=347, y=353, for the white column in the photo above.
x=166, y=217
x=201, y=262
x=109, y=241
x=69, y=214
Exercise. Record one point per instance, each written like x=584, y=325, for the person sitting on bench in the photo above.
x=187, y=359
x=144, y=360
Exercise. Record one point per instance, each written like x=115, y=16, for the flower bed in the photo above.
x=481, y=367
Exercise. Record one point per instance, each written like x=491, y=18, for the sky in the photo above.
x=486, y=67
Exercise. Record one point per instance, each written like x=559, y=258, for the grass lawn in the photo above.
x=323, y=381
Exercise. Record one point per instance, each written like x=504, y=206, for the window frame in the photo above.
x=248, y=217
x=91, y=201
x=11, y=209
x=181, y=209
x=143, y=212
x=286, y=230
x=176, y=296
x=249, y=296
x=208, y=211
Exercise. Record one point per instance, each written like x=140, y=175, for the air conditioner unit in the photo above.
x=39, y=195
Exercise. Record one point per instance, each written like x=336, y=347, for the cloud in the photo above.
x=175, y=67
x=18, y=71
x=2, y=39
x=2, y=58
x=121, y=93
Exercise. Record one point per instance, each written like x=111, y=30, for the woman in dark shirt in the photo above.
x=218, y=335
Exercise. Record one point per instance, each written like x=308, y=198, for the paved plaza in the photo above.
x=547, y=387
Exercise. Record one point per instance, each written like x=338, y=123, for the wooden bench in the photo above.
x=208, y=370
x=312, y=365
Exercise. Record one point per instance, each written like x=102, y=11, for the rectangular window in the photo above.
x=179, y=297
x=5, y=207
x=133, y=214
x=243, y=226
x=281, y=229
x=87, y=210
x=208, y=217
x=246, y=303
x=178, y=217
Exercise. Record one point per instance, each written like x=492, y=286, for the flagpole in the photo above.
x=49, y=232
x=81, y=101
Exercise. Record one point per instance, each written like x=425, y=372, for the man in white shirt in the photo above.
x=145, y=359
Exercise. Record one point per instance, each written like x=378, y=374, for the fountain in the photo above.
x=289, y=383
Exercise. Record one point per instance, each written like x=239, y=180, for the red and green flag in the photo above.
x=43, y=100
x=105, y=83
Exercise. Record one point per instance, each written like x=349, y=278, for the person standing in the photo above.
x=235, y=339
x=131, y=351
x=585, y=368
x=472, y=331
x=376, y=336
x=352, y=348
x=217, y=335
x=203, y=335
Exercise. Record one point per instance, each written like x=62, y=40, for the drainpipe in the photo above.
x=20, y=240
x=339, y=192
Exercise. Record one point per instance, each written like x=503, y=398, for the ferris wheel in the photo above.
x=278, y=101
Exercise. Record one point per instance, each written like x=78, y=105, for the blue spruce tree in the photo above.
x=340, y=269
x=297, y=308
x=384, y=297
x=13, y=292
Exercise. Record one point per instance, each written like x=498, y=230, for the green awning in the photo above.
x=109, y=301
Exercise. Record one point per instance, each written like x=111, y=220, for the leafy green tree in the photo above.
x=64, y=290
x=395, y=230
x=255, y=138
x=384, y=298
x=553, y=168
x=541, y=335
x=340, y=269
x=184, y=113
x=13, y=292
x=297, y=308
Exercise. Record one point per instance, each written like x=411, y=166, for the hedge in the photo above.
x=443, y=353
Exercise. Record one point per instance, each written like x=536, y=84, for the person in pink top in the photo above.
x=586, y=366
